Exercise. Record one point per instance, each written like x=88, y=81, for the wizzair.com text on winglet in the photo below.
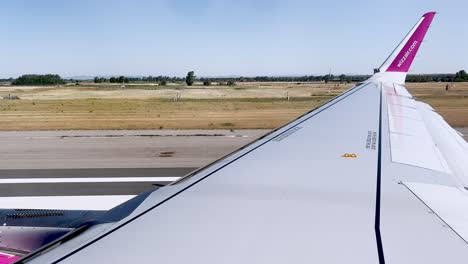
x=397, y=65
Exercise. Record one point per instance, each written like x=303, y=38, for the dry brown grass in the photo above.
x=149, y=114
x=248, y=105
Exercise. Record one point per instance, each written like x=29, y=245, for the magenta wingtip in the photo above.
x=430, y=14
x=406, y=54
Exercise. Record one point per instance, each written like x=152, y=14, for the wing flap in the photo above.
x=448, y=202
x=427, y=156
x=410, y=141
x=400, y=90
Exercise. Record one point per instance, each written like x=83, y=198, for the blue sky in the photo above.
x=223, y=37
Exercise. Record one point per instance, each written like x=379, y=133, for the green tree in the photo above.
x=163, y=83
x=461, y=76
x=231, y=82
x=342, y=77
x=207, y=82
x=190, y=79
x=112, y=79
x=36, y=79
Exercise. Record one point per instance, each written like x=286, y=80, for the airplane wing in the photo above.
x=372, y=176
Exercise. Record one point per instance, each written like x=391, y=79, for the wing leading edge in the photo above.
x=337, y=185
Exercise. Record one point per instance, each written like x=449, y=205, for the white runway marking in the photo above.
x=86, y=180
x=87, y=202
x=6, y=254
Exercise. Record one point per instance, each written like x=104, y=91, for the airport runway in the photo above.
x=82, y=187
x=95, y=172
x=109, y=162
x=464, y=131
x=118, y=149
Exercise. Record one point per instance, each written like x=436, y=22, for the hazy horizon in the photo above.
x=223, y=37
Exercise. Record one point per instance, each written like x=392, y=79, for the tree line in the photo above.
x=190, y=79
x=460, y=76
x=121, y=79
x=37, y=79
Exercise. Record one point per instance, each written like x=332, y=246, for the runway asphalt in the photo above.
x=114, y=156
x=95, y=172
x=464, y=131
x=31, y=156
x=118, y=149
x=84, y=188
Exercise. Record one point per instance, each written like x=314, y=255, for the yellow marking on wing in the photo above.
x=349, y=155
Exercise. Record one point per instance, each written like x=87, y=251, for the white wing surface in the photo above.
x=372, y=176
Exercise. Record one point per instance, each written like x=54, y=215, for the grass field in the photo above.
x=247, y=105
